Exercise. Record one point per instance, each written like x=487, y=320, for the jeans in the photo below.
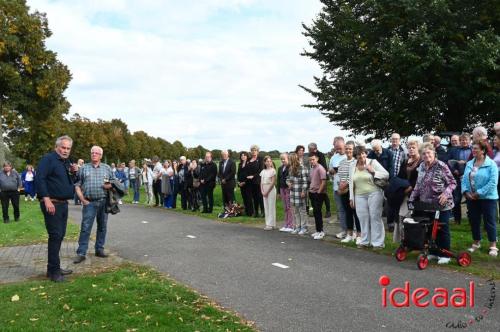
x=350, y=214
x=317, y=200
x=6, y=197
x=56, y=229
x=207, y=192
x=487, y=208
x=285, y=198
x=341, y=213
x=135, y=188
x=93, y=210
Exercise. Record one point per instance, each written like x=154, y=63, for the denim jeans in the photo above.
x=487, y=208
x=135, y=188
x=56, y=229
x=93, y=210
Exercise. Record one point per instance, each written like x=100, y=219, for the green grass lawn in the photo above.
x=129, y=298
x=31, y=228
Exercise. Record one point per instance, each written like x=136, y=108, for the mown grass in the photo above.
x=128, y=298
x=31, y=227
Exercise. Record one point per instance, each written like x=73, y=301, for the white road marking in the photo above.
x=145, y=222
x=281, y=265
x=282, y=242
x=191, y=236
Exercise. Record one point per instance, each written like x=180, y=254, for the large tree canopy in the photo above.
x=32, y=81
x=409, y=65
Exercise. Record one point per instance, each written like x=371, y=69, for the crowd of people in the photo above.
x=366, y=183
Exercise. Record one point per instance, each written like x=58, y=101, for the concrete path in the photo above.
x=290, y=283
x=22, y=263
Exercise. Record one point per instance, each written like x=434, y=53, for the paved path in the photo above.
x=27, y=262
x=325, y=287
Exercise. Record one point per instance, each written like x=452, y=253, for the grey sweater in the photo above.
x=11, y=182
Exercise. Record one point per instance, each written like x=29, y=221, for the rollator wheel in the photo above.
x=464, y=259
x=422, y=261
x=400, y=254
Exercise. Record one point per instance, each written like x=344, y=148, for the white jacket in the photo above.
x=380, y=173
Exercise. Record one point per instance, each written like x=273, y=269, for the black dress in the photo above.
x=246, y=189
x=254, y=169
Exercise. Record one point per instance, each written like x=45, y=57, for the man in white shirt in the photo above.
x=157, y=172
x=339, y=146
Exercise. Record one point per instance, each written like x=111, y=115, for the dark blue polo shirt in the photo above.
x=53, y=178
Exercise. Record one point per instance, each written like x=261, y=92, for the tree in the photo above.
x=32, y=81
x=410, y=66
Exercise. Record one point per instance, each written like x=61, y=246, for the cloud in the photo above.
x=220, y=73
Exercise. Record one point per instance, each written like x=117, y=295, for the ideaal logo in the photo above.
x=440, y=297
x=423, y=297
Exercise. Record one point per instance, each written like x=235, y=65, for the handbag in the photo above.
x=381, y=183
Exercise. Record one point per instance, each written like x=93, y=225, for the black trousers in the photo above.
x=184, y=197
x=258, y=200
x=350, y=214
x=157, y=192
x=317, y=200
x=392, y=212
x=227, y=194
x=192, y=196
x=6, y=197
x=246, y=194
x=56, y=229
x=207, y=198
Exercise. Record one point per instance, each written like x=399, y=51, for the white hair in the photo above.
x=59, y=140
x=480, y=132
x=376, y=142
x=98, y=148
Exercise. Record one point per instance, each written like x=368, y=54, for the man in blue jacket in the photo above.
x=54, y=185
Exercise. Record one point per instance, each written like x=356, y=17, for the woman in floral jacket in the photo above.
x=435, y=184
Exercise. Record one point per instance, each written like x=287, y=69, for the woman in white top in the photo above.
x=268, y=190
x=147, y=181
x=367, y=198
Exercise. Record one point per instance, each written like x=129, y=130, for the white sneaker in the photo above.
x=444, y=260
x=347, y=239
x=340, y=235
x=319, y=236
x=295, y=231
x=303, y=231
x=314, y=234
x=284, y=229
x=288, y=230
x=358, y=240
x=268, y=228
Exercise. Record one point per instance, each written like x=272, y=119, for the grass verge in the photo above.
x=31, y=227
x=127, y=298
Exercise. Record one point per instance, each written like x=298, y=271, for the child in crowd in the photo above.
x=285, y=193
x=268, y=189
x=297, y=179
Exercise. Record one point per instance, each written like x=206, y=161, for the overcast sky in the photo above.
x=220, y=73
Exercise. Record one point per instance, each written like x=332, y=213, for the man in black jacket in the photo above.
x=227, y=173
x=208, y=174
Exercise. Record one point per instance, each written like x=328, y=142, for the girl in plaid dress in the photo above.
x=298, y=176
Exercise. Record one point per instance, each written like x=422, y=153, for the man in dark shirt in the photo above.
x=54, y=185
x=227, y=173
x=10, y=185
x=208, y=174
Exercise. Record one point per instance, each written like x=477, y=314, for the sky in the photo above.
x=219, y=73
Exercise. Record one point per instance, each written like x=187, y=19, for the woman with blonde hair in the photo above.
x=297, y=182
